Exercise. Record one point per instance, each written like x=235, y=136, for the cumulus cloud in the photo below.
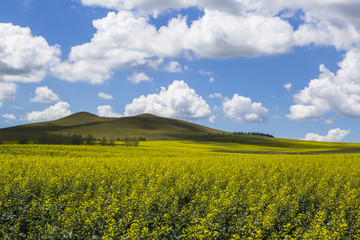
x=211, y=80
x=7, y=92
x=122, y=41
x=24, y=57
x=155, y=7
x=105, y=96
x=212, y=118
x=173, y=67
x=330, y=120
x=225, y=29
x=59, y=110
x=221, y=35
x=9, y=116
x=242, y=109
x=332, y=11
x=288, y=86
x=138, y=77
x=329, y=23
x=178, y=101
x=143, y=6
x=326, y=34
x=338, y=92
x=107, y=111
x=216, y=95
x=334, y=135
x=44, y=95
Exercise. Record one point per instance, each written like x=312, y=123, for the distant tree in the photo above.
x=23, y=140
x=253, y=134
x=76, y=139
x=103, y=141
x=89, y=139
x=142, y=138
x=61, y=139
x=131, y=141
x=112, y=142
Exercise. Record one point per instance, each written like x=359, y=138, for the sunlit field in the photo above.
x=175, y=190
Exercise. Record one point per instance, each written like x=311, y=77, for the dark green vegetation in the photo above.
x=253, y=134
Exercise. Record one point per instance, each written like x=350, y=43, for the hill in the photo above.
x=152, y=127
x=144, y=125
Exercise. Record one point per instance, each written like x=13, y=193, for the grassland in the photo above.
x=176, y=190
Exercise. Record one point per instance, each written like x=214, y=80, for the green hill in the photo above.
x=152, y=127
x=145, y=125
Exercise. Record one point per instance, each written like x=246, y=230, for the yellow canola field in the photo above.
x=160, y=192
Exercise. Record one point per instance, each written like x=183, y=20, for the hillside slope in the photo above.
x=145, y=125
x=153, y=127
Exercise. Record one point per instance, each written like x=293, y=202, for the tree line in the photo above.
x=254, y=134
x=78, y=139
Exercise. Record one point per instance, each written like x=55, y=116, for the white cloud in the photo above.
x=7, y=92
x=203, y=72
x=158, y=6
x=338, y=92
x=212, y=118
x=143, y=6
x=122, y=41
x=329, y=23
x=23, y=57
x=228, y=28
x=326, y=34
x=212, y=80
x=59, y=110
x=138, y=77
x=173, y=67
x=107, y=111
x=242, y=109
x=334, y=135
x=221, y=35
x=288, y=86
x=155, y=7
x=330, y=120
x=336, y=12
x=178, y=101
x=105, y=96
x=44, y=95
x=9, y=116
x=216, y=95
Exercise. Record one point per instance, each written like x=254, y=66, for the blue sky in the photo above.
x=278, y=67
